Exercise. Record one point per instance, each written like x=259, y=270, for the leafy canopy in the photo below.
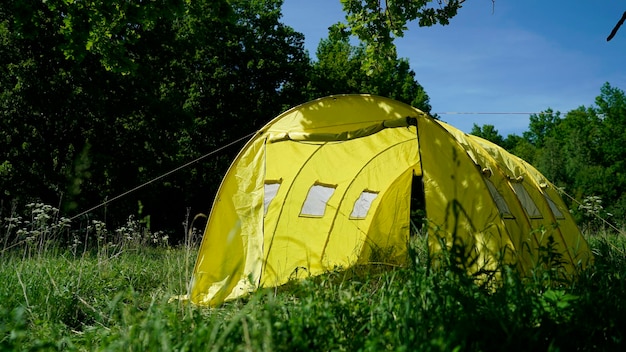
x=97, y=97
x=582, y=151
x=378, y=22
x=340, y=70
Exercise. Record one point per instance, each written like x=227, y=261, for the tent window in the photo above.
x=499, y=199
x=317, y=199
x=363, y=204
x=271, y=189
x=555, y=210
x=527, y=202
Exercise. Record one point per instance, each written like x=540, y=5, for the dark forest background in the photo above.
x=98, y=97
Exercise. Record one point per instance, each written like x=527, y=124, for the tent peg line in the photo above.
x=162, y=176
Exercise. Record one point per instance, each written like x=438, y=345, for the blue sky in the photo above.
x=516, y=56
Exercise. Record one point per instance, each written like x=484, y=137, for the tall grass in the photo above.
x=115, y=297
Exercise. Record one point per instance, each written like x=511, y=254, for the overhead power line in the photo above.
x=484, y=113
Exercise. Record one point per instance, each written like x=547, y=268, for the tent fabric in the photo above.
x=328, y=185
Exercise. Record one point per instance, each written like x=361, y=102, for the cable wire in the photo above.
x=485, y=113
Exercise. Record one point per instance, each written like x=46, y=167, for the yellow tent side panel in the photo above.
x=284, y=162
x=571, y=239
x=554, y=222
x=494, y=172
x=301, y=243
x=532, y=224
x=459, y=208
x=385, y=223
x=230, y=255
x=388, y=235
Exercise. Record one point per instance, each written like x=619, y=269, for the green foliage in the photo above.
x=582, y=152
x=588, y=137
x=541, y=127
x=378, y=23
x=489, y=133
x=102, y=302
x=98, y=97
x=116, y=296
x=340, y=69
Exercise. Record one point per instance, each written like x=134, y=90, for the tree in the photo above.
x=546, y=140
x=511, y=141
x=378, y=22
x=339, y=70
x=489, y=133
x=98, y=97
x=611, y=112
x=617, y=26
x=541, y=126
x=584, y=150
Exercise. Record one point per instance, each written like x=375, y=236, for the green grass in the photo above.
x=115, y=297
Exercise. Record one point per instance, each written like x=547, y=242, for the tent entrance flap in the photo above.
x=418, y=204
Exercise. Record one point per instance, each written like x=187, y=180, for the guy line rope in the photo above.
x=162, y=176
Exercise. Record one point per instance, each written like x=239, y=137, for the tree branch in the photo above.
x=619, y=24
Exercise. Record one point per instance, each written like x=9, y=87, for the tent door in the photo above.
x=418, y=205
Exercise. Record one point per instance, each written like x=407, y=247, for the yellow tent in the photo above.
x=328, y=183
